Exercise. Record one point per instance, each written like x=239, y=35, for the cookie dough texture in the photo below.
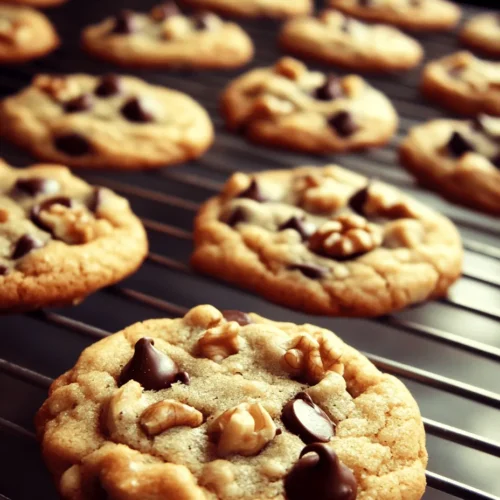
x=463, y=83
x=25, y=34
x=291, y=107
x=470, y=175
x=422, y=15
x=482, y=33
x=324, y=241
x=60, y=238
x=335, y=38
x=95, y=442
x=86, y=121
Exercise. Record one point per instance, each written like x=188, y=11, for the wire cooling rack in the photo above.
x=446, y=351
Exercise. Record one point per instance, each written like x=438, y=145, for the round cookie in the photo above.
x=335, y=38
x=463, y=83
x=97, y=122
x=166, y=38
x=25, y=34
x=61, y=239
x=226, y=405
x=418, y=15
x=459, y=159
x=482, y=32
x=35, y=3
x=291, y=107
x=326, y=241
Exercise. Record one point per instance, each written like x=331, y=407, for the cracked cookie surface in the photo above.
x=326, y=241
x=112, y=121
x=165, y=37
x=482, y=32
x=151, y=412
x=60, y=238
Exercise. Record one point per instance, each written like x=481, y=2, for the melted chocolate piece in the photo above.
x=125, y=23
x=343, y=123
x=305, y=229
x=307, y=420
x=320, y=475
x=108, y=86
x=96, y=199
x=312, y=271
x=45, y=205
x=72, y=144
x=134, y=111
x=25, y=244
x=253, y=192
x=183, y=378
x=358, y=199
x=81, y=103
x=331, y=89
x=240, y=317
x=3, y=270
x=237, y=216
x=205, y=21
x=153, y=369
x=458, y=145
x=164, y=11
x=37, y=185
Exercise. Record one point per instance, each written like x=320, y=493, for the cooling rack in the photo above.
x=446, y=351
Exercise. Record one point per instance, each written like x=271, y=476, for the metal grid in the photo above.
x=446, y=351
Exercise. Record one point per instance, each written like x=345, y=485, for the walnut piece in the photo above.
x=203, y=317
x=57, y=87
x=176, y=27
x=320, y=194
x=290, y=68
x=243, y=430
x=353, y=86
x=167, y=414
x=4, y=215
x=406, y=233
x=346, y=236
x=268, y=106
x=220, y=342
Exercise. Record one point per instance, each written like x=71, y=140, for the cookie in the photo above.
x=418, y=15
x=255, y=8
x=459, y=159
x=228, y=405
x=35, y=3
x=165, y=37
x=112, y=121
x=61, y=239
x=482, y=32
x=291, y=107
x=25, y=34
x=463, y=83
x=326, y=241
x=335, y=38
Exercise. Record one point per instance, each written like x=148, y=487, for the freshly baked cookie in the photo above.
x=418, y=15
x=255, y=8
x=463, y=83
x=111, y=121
x=228, y=405
x=289, y=106
x=336, y=38
x=459, y=159
x=61, y=239
x=326, y=241
x=24, y=34
x=35, y=3
x=167, y=38
x=482, y=32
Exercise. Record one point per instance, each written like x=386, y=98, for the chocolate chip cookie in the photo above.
x=61, y=239
x=482, y=32
x=336, y=38
x=459, y=159
x=112, y=121
x=165, y=37
x=289, y=106
x=463, y=83
x=326, y=241
x=227, y=405
x=418, y=15
x=25, y=34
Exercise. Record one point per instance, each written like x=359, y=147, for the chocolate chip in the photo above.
x=45, y=205
x=96, y=199
x=25, y=244
x=183, y=378
x=319, y=474
x=72, y=144
x=496, y=161
x=134, y=111
x=164, y=11
x=240, y=317
x=153, y=369
x=108, y=86
x=253, y=192
x=37, y=185
x=312, y=271
x=458, y=145
x=81, y=103
x=358, y=199
x=125, y=23
x=236, y=216
x=206, y=21
x=307, y=420
x=331, y=89
x=343, y=123
x=3, y=270
x=305, y=229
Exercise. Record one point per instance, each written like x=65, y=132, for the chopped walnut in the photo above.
x=268, y=106
x=243, y=430
x=353, y=86
x=219, y=476
x=167, y=414
x=406, y=233
x=203, y=317
x=58, y=87
x=220, y=342
x=385, y=201
x=346, y=236
x=320, y=194
x=4, y=215
x=290, y=68
x=176, y=27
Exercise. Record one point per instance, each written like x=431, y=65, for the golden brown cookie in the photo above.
x=482, y=33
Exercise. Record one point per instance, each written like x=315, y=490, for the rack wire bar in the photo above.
x=456, y=488
x=3, y=497
x=71, y=324
x=24, y=374
x=16, y=428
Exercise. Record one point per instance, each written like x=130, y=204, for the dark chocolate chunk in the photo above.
x=96, y=199
x=81, y=103
x=206, y=21
x=312, y=271
x=134, y=111
x=164, y=11
x=238, y=215
x=305, y=229
x=358, y=199
x=240, y=317
x=343, y=123
x=496, y=161
x=45, y=205
x=307, y=420
x=319, y=474
x=108, y=86
x=331, y=89
x=3, y=270
x=183, y=378
x=253, y=192
x=458, y=145
x=153, y=369
x=72, y=144
x=125, y=23
x=37, y=185
x=25, y=244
